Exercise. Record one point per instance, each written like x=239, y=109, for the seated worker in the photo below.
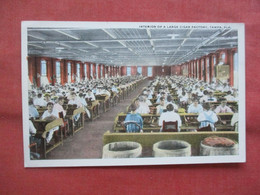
x=33, y=113
x=49, y=115
x=207, y=117
x=74, y=100
x=53, y=94
x=170, y=115
x=232, y=97
x=149, y=94
x=47, y=98
x=195, y=107
x=137, y=103
x=147, y=101
x=33, y=95
x=234, y=121
x=204, y=97
x=32, y=132
x=211, y=98
x=82, y=99
x=143, y=107
x=34, y=140
x=226, y=88
x=161, y=107
x=200, y=92
x=94, y=90
x=90, y=96
x=58, y=106
x=105, y=91
x=133, y=116
x=39, y=101
x=208, y=97
x=223, y=108
x=169, y=100
x=184, y=97
x=114, y=89
x=99, y=90
x=162, y=94
x=84, y=103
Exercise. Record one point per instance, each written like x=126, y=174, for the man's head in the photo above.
x=223, y=102
x=47, y=97
x=162, y=100
x=206, y=106
x=195, y=102
x=39, y=95
x=50, y=107
x=132, y=108
x=137, y=103
x=61, y=100
x=141, y=99
x=73, y=95
x=210, y=94
x=30, y=101
x=169, y=107
x=33, y=94
x=169, y=98
x=89, y=91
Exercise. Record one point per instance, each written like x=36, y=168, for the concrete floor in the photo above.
x=88, y=143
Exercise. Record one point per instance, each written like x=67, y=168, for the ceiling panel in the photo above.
x=128, y=46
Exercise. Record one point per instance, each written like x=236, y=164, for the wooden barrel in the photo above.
x=215, y=146
x=171, y=148
x=123, y=149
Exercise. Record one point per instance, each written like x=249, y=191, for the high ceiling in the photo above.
x=128, y=46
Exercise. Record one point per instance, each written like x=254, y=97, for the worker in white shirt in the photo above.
x=58, y=106
x=223, y=108
x=49, y=115
x=90, y=96
x=143, y=107
x=39, y=101
x=170, y=115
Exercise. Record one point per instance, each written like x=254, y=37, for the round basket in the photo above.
x=124, y=149
x=171, y=148
x=216, y=146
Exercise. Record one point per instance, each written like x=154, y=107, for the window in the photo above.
x=69, y=69
x=139, y=70
x=197, y=69
x=85, y=70
x=150, y=71
x=128, y=71
x=185, y=70
x=223, y=56
x=58, y=72
x=91, y=70
x=57, y=69
x=97, y=76
x=78, y=71
x=235, y=61
x=101, y=71
x=69, y=72
x=208, y=75
x=214, y=65
x=203, y=70
x=191, y=69
x=43, y=68
x=43, y=79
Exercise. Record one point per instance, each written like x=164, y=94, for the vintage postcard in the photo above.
x=132, y=93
